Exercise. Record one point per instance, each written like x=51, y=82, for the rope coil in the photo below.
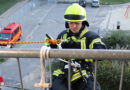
x=44, y=54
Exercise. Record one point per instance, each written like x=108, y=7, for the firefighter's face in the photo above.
x=75, y=26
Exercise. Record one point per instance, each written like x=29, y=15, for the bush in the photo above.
x=108, y=76
x=109, y=72
x=117, y=37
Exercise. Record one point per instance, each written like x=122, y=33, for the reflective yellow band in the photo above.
x=89, y=60
x=57, y=72
x=75, y=77
x=83, y=32
x=74, y=38
x=65, y=36
x=78, y=75
x=83, y=43
x=95, y=41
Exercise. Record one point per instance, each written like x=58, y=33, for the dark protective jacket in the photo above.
x=83, y=40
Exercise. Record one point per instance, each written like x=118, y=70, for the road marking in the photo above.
x=39, y=23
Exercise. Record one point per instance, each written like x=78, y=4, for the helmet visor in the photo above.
x=74, y=17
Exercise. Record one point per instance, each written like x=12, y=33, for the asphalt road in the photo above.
x=47, y=18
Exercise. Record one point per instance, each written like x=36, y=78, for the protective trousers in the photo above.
x=61, y=84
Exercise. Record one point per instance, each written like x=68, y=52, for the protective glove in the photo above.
x=70, y=44
x=50, y=42
x=47, y=43
x=53, y=45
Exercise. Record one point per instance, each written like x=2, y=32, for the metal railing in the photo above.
x=46, y=53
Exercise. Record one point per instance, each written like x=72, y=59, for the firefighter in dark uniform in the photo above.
x=77, y=36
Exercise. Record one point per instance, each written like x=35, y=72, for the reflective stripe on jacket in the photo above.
x=75, y=76
x=78, y=75
x=57, y=72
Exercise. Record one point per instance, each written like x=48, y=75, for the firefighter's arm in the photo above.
x=99, y=46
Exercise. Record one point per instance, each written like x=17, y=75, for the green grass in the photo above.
x=2, y=60
x=6, y=4
x=108, y=2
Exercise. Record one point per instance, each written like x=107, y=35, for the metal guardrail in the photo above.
x=47, y=53
x=68, y=53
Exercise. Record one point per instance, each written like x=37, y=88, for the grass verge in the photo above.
x=109, y=2
x=2, y=60
x=6, y=4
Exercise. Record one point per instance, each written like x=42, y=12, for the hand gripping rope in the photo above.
x=44, y=54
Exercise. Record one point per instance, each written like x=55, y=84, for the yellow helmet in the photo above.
x=75, y=13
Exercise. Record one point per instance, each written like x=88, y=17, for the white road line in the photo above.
x=38, y=24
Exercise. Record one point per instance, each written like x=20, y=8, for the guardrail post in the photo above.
x=95, y=75
x=20, y=75
x=122, y=74
x=69, y=75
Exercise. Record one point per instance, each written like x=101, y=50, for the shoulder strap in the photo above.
x=83, y=33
